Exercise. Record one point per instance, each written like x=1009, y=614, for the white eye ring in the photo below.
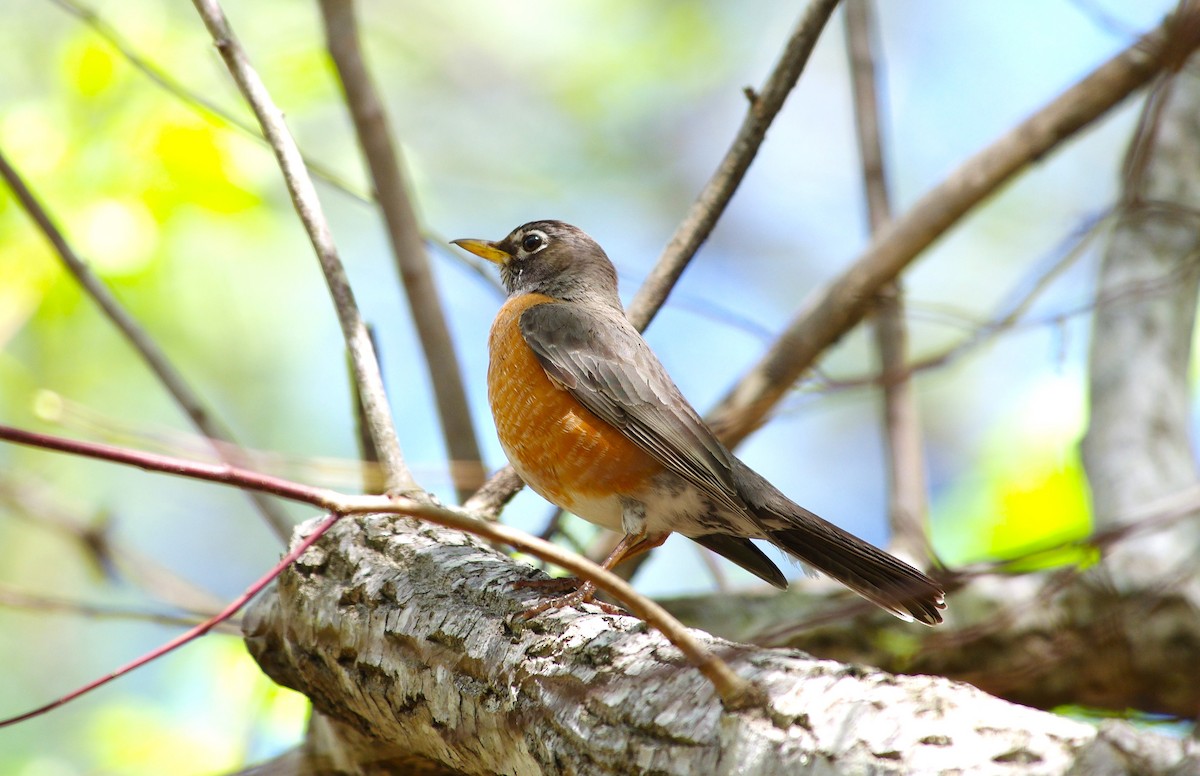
x=534, y=241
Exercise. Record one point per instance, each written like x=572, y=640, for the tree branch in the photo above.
x=399, y=637
x=844, y=302
x=160, y=366
x=408, y=249
x=700, y=219
x=308, y=207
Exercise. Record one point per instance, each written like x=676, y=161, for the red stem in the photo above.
x=190, y=635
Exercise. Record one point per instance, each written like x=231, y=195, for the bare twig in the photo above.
x=308, y=207
x=201, y=416
x=408, y=249
x=366, y=445
x=1102, y=20
x=708, y=207
x=19, y=599
x=188, y=636
x=844, y=302
x=735, y=692
x=495, y=493
x=907, y=503
x=1011, y=318
x=26, y=497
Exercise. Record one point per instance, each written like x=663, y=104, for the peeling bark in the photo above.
x=399, y=633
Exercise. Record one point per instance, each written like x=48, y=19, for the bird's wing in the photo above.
x=599, y=357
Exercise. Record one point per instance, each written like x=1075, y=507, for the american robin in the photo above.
x=592, y=421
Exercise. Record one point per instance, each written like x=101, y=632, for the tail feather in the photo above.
x=885, y=581
x=743, y=552
x=872, y=573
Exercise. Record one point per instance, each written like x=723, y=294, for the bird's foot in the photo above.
x=581, y=593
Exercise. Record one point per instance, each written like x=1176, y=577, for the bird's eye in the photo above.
x=532, y=242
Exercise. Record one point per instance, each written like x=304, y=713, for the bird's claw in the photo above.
x=581, y=593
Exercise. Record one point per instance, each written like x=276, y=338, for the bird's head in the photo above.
x=551, y=258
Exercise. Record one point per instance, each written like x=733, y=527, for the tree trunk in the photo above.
x=1138, y=445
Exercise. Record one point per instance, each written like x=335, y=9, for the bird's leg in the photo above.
x=631, y=545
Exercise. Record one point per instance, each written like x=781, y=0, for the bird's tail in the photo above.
x=867, y=570
x=872, y=573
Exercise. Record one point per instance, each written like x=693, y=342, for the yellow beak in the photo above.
x=484, y=249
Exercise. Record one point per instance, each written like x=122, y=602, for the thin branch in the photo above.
x=189, y=635
x=860, y=27
x=708, y=207
x=18, y=599
x=201, y=104
x=847, y=299
x=735, y=692
x=366, y=445
x=408, y=249
x=308, y=207
x=27, y=498
x=1102, y=20
x=170, y=378
x=495, y=493
x=908, y=507
x=1010, y=319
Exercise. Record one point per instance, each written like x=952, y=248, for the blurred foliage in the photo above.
x=1031, y=496
x=607, y=114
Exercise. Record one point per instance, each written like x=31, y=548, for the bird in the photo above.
x=590, y=419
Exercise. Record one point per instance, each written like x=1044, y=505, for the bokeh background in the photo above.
x=610, y=115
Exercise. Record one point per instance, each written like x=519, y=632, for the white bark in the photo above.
x=1138, y=445
x=399, y=633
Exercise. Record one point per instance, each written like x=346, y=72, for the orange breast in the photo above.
x=563, y=451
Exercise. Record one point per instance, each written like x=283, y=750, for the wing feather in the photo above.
x=597, y=355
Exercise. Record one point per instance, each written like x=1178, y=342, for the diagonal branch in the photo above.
x=845, y=301
x=308, y=207
x=700, y=219
x=385, y=163
x=188, y=636
x=170, y=378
